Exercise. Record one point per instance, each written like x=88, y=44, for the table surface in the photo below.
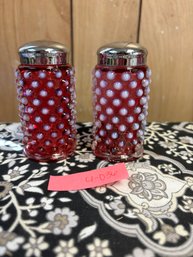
x=150, y=214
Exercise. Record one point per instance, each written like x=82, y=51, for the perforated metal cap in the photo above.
x=43, y=53
x=122, y=54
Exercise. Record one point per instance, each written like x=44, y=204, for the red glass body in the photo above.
x=120, y=110
x=46, y=97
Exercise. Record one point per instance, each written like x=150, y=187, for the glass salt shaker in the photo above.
x=46, y=94
x=120, y=93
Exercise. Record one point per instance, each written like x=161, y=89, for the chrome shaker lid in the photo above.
x=43, y=53
x=122, y=54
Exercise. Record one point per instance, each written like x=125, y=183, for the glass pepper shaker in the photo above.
x=46, y=94
x=120, y=93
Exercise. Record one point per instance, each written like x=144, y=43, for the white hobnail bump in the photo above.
x=123, y=111
x=38, y=119
x=115, y=120
x=122, y=128
x=131, y=102
x=43, y=93
x=109, y=111
x=36, y=102
x=130, y=119
x=140, y=74
x=103, y=83
x=39, y=136
x=145, y=82
x=110, y=75
x=102, y=117
x=109, y=126
x=130, y=135
x=125, y=94
x=139, y=92
x=125, y=76
x=110, y=93
x=97, y=73
x=135, y=126
x=46, y=127
x=51, y=102
x=103, y=101
x=45, y=111
x=114, y=135
x=133, y=84
x=137, y=110
x=116, y=102
x=117, y=85
x=101, y=132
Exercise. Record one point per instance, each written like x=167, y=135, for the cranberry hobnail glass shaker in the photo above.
x=46, y=93
x=121, y=91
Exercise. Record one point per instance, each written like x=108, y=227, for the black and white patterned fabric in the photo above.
x=149, y=214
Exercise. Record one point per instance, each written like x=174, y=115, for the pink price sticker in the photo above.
x=88, y=179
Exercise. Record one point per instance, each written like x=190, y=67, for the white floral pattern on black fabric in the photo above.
x=152, y=210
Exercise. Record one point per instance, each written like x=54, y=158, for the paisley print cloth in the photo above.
x=150, y=214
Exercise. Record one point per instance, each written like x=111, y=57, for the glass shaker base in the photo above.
x=50, y=157
x=123, y=156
